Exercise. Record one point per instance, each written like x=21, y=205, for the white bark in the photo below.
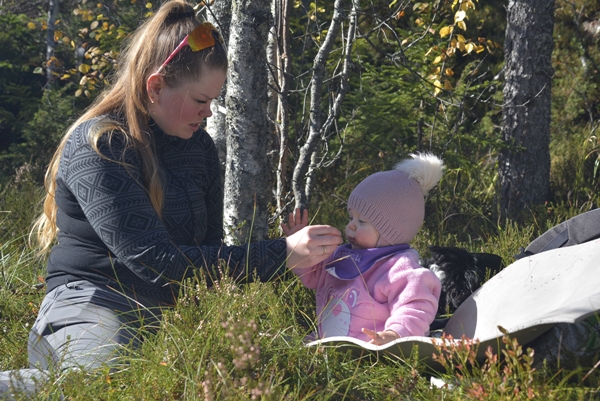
x=319, y=131
x=219, y=14
x=53, y=8
x=247, y=181
x=280, y=68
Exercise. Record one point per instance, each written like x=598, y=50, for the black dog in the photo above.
x=461, y=273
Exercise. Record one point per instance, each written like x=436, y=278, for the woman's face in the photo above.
x=179, y=111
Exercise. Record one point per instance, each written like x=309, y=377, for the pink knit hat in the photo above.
x=394, y=201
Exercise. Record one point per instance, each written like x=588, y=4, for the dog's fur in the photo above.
x=461, y=273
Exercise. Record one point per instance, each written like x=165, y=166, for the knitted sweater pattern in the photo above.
x=109, y=233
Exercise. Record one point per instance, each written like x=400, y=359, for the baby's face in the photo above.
x=359, y=231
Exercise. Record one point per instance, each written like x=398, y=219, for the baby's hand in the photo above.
x=381, y=337
x=297, y=221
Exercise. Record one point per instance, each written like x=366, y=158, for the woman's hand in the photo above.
x=312, y=245
x=381, y=337
x=297, y=221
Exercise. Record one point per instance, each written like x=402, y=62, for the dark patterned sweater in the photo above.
x=109, y=233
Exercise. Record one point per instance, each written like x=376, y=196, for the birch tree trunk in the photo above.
x=280, y=68
x=524, y=165
x=219, y=14
x=247, y=180
x=308, y=158
x=53, y=8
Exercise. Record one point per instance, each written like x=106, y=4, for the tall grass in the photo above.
x=235, y=342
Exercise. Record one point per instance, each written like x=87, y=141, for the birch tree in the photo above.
x=247, y=182
x=219, y=14
x=321, y=123
x=53, y=8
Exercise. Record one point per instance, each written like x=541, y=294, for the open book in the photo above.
x=525, y=299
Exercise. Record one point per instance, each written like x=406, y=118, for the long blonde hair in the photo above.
x=127, y=97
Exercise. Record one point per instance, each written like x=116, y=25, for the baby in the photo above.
x=373, y=288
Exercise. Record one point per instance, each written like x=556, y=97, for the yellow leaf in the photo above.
x=437, y=87
x=72, y=44
x=437, y=60
x=419, y=21
x=466, y=5
x=479, y=49
x=83, y=68
x=460, y=38
x=65, y=76
x=66, y=40
x=445, y=31
x=31, y=25
x=449, y=72
x=87, y=93
x=460, y=16
x=405, y=41
x=149, y=6
x=57, y=35
x=462, y=25
x=461, y=46
x=94, y=25
x=105, y=25
x=469, y=47
x=447, y=85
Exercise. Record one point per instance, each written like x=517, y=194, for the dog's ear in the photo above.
x=485, y=261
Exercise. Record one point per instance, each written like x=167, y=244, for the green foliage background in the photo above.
x=388, y=114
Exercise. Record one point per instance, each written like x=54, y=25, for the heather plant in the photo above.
x=232, y=342
x=227, y=341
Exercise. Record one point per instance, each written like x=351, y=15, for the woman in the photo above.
x=135, y=202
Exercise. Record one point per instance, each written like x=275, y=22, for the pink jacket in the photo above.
x=395, y=294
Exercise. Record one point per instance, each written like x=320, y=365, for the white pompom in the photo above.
x=426, y=168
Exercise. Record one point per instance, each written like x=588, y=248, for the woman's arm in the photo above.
x=116, y=205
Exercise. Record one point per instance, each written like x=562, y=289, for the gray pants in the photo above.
x=79, y=326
